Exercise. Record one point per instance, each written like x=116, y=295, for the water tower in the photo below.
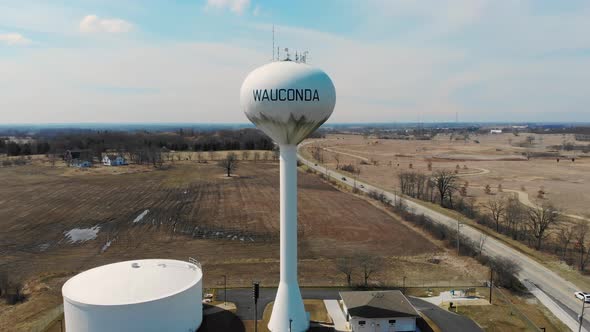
x=288, y=100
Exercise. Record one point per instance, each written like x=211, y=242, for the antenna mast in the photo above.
x=273, y=42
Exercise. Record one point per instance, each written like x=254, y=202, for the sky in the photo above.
x=390, y=60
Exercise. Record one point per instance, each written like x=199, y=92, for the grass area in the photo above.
x=423, y=292
x=511, y=312
x=317, y=311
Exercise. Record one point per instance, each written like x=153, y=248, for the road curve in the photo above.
x=559, y=290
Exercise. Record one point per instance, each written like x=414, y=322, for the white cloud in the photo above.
x=14, y=39
x=93, y=23
x=236, y=6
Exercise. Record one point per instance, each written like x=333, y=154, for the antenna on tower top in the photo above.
x=303, y=57
x=273, y=42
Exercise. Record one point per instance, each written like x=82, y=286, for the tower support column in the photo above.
x=288, y=307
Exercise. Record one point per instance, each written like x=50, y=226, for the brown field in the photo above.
x=229, y=224
x=497, y=159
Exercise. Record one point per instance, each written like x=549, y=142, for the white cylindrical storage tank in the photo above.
x=141, y=295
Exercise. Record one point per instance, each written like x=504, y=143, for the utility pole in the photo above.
x=458, y=236
x=224, y=290
x=255, y=295
x=273, y=42
x=404, y=284
x=491, y=283
x=581, y=317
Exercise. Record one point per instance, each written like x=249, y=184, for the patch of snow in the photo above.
x=140, y=216
x=106, y=246
x=82, y=234
x=44, y=246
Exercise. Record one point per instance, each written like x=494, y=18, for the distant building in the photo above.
x=496, y=131
x=379, y=311
x=78, y=158
x=81, y=163
x=113, y=160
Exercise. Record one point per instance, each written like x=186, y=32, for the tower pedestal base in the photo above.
x=288, y=305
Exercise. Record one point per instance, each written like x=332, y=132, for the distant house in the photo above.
x=78, y=157
x=80, y=163
x=113, y=160
x=496, y=131
x=379, y=311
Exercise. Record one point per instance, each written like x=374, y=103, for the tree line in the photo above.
x=98, y=142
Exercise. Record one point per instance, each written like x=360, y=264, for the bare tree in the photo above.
x=581, y=231
x=497, y=209
x=256, y=156
x=514, y=216
x=540, y=219
x=4, y=284
x=346, y=265
x=317, y=153
x=229, y=163
x=445, y=182
x=337, y=159
x=245, y=155
x=369, y=265
x=565, y=237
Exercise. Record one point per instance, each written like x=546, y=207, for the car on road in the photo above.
x=343, y=178
x=583, y=296
x=362, y=186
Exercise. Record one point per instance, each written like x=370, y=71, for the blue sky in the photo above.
x=184, y=61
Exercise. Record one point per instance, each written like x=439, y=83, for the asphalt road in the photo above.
x=242, y=297
x=560, y=291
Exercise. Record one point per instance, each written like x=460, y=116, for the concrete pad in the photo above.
x=337, y=315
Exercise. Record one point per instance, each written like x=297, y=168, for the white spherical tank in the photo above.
x=288, y=100
x=142, y=295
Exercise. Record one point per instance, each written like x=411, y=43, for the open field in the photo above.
x=58, y=221
x=496, y=159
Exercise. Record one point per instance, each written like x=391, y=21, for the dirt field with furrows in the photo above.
x=44, y=212
x=57, y=221
x=481, y=160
